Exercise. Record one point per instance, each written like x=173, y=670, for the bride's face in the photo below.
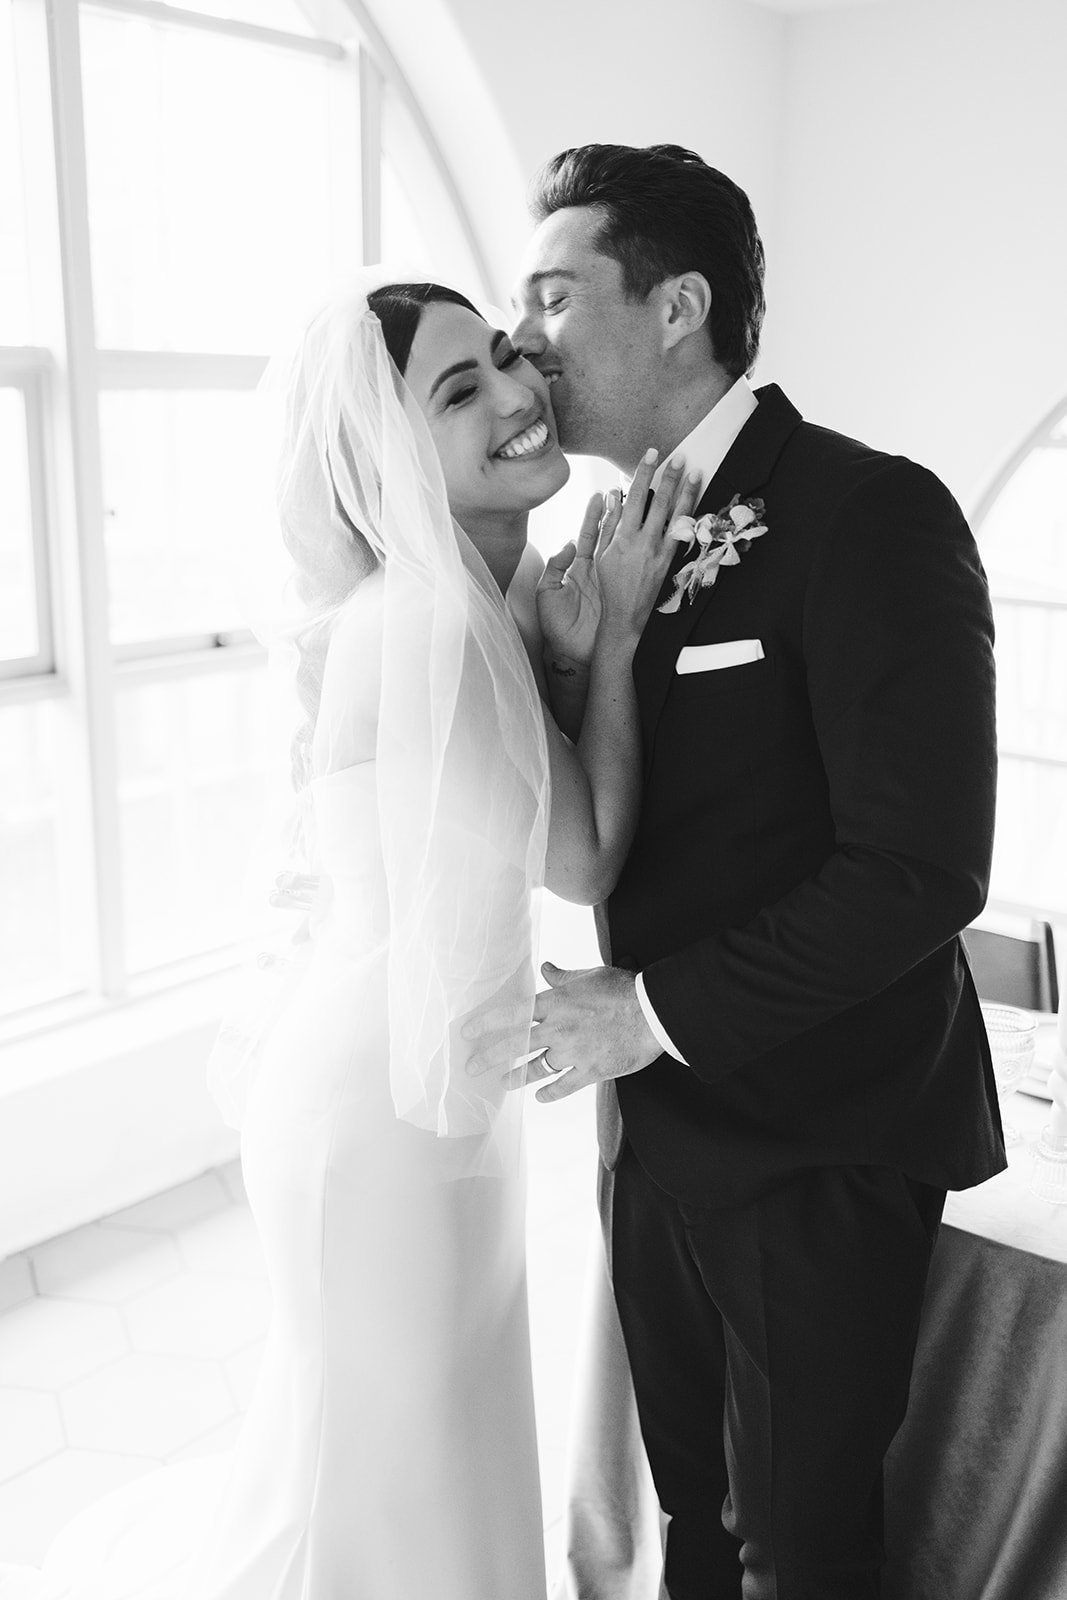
x=489, y=414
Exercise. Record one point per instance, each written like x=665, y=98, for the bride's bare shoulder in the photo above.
x=361, y=617
x=354, y=655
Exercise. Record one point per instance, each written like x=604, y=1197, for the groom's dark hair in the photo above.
x=667, y=212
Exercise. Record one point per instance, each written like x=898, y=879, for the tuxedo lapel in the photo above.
x=745, y=471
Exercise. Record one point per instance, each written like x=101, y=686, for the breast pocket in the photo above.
x=722, y=682
x=724, y=656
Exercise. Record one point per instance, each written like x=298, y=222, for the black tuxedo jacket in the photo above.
x=816, y=828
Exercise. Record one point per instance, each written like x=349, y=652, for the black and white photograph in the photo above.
x=533, y=800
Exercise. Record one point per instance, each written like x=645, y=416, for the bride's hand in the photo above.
x=635, y=553
x=568, y=596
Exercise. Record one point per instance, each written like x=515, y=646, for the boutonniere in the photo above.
x=722, y=537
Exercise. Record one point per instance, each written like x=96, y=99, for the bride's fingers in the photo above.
x=611, y=519
x=685, y=501
x=663, y=499
x=634, y=510
x=590, y=528
x=556, y=567
x=589, y=532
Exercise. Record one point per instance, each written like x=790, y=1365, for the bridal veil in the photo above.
x=460, y=757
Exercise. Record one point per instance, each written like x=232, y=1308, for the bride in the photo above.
x=389, y=1450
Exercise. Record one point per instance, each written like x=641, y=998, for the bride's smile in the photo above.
x=530, y=441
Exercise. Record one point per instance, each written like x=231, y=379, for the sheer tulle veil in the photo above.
x=461, y=766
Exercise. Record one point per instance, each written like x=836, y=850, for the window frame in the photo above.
x=1039, y=437
x=26, y=371
x=62, y=385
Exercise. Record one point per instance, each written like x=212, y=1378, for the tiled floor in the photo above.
x=135, y=1340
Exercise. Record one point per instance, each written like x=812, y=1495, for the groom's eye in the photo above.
x=554, y=303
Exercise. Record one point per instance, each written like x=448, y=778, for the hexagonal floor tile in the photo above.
x=97, y=1263
x=38, y=1503
x=16, y=1281
x=198, y=1315
x=45, y=1344
x=146, y=1405
x=226, y=1242
x=174, y=1208
x=30, y=1430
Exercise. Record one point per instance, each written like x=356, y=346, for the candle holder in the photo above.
x=1049, y=1179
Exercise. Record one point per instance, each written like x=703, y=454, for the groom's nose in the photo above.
x=528, y=336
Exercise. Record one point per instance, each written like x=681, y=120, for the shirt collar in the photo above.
x=704, y=450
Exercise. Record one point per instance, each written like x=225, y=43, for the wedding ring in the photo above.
x=545, y=1062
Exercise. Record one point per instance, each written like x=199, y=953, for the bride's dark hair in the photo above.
x=399, y=308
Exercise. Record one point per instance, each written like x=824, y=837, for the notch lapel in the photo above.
x=745, y=470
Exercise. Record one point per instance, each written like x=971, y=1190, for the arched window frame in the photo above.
x=1047, y=906
x=60, y=384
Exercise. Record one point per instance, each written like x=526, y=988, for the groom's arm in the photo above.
x=898, y=642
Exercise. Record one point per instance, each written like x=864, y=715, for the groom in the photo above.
x=788, y=1018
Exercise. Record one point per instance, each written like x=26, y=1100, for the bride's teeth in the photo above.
x=526, y=443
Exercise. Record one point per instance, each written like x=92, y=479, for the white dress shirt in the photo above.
x=703, y=451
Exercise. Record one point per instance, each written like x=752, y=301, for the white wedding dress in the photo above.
x=389, y=1451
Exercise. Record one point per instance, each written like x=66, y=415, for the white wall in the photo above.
x=706, y=73
x=921, y=292
x=905, y=158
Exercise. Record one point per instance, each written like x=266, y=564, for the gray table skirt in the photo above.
x=976, y=1482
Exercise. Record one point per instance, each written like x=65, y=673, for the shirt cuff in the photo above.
x=656, y=1027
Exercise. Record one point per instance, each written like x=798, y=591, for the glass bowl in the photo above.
x=1012, y=1035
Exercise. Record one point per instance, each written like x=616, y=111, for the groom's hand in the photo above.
x=589, y=1026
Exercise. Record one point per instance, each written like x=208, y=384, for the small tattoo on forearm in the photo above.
x=562, y=672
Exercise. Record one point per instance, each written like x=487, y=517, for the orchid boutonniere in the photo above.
x=722, y=536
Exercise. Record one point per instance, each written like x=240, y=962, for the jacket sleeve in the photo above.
x=898, y=646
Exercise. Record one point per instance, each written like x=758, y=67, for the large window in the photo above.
x=1022, y=531
x=179, y=185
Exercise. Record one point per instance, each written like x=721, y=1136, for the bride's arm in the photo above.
x=596, y=783
x=568, y=611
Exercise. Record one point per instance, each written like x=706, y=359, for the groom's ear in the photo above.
x=685, y=306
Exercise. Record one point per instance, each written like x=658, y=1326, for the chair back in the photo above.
x=1014, y=971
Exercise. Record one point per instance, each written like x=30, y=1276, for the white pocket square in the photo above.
x=710, y=657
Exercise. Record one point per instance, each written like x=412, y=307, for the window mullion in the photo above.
x=84, y=646
x=370, y=121
x=39, y=520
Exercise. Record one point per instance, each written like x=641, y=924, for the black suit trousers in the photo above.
x=771, y=1345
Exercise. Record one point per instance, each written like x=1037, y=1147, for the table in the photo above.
x=976, y=1481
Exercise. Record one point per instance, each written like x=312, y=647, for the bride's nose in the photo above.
x=512, y=397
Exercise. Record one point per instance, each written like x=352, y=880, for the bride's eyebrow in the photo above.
x=464, y=366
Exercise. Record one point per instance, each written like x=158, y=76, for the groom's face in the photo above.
x=598, y=350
